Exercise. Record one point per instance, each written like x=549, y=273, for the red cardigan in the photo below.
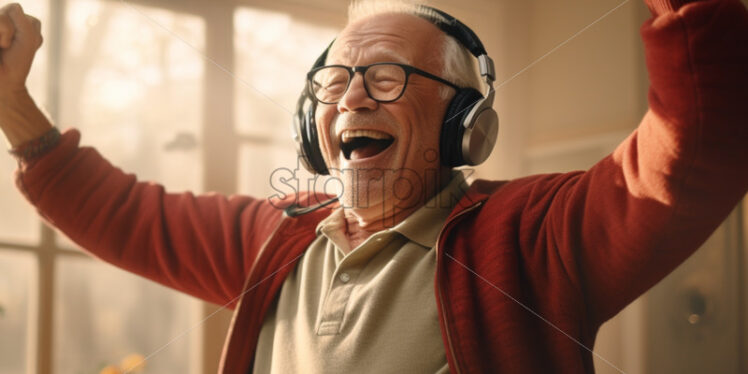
x=527, y=270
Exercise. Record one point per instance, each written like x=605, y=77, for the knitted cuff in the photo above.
x=37, y=147
x=665, y=6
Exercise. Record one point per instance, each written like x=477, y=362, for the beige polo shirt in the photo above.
x=372, y=310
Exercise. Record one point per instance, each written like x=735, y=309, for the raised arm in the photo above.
x=201, y=245
x=20, y=37
x=632, y=218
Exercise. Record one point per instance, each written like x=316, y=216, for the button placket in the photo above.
x=333, y=311
x=342, y=284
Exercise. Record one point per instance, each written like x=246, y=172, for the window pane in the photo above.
x=256, y=165
x=273, y=53
x=135, y=90
x=103, y=315
x=17, y=274
x=271, y=66
x=18, y=221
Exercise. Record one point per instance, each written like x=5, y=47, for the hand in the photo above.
x=20, y=38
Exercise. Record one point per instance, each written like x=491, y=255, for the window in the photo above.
x=271, y=67
x=143, y=85
x=18, y=272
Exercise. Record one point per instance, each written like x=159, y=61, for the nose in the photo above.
x=356, y=99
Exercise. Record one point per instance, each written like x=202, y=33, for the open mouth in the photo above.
x=359, y=144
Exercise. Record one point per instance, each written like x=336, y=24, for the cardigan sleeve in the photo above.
x=202, y=245
x=632, y=218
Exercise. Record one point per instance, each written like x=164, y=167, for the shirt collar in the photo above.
x=424, y=224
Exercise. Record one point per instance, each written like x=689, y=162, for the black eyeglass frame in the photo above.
x=352, y=70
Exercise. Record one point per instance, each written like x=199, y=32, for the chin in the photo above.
x=378, y=196
x=364, y=189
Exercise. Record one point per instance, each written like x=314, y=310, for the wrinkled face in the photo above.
x=385, y=151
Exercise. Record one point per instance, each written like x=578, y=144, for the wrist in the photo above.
x=37, y=147
x=13, y=94
x=20, y=119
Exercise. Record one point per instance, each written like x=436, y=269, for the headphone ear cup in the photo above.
x=305, y=130
x=310, y=142
x=453, y=127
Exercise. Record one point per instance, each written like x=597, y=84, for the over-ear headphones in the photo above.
x=470, y=126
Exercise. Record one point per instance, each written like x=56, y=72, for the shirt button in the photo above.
x=344, y=277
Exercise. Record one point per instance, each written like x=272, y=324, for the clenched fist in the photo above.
x=20, y=38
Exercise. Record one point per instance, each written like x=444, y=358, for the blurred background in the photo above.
x=197, y=96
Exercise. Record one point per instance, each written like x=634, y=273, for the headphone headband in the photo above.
x=456, y=29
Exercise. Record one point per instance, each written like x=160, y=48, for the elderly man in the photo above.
x=418, y=272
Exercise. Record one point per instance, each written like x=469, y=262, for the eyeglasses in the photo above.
x=384, y=81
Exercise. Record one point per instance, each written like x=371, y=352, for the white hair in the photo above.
x=459, y=65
